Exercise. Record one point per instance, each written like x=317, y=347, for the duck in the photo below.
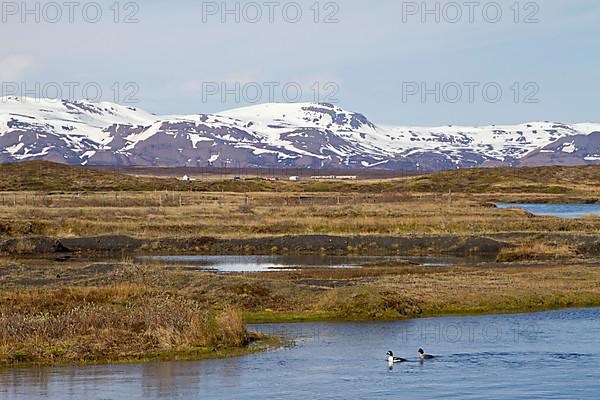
x=394, y=360
x=424, y=356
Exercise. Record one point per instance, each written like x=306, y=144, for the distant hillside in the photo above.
x=47, y=176
x=510, y=180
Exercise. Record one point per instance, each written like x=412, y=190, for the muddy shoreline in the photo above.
x=452, y=245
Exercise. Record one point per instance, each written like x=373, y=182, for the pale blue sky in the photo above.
x=370, y=54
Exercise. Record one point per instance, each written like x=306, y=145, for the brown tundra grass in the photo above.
x=226, y=215
x=109, y=323
x=531, y=251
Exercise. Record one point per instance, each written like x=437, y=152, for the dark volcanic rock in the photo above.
x=102, y=243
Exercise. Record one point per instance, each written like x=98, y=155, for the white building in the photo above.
x=335, y=177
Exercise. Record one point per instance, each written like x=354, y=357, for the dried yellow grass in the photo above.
x=109, y=323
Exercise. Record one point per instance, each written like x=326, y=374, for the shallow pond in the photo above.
x=553, y=355
x=281, y=263
x=557, y=210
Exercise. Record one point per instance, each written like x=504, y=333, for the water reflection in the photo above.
x=281, y=263
x=164, y=380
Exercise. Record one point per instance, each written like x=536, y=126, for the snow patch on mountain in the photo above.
x=569, y=148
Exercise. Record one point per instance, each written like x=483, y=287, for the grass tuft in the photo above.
x=532, y=251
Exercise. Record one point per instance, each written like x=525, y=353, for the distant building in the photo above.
x=294, y=178
x=335, y=177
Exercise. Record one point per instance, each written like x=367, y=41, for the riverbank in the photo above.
x=120, y=323
x=261, y=343
x=86, y=312
x=435, y=292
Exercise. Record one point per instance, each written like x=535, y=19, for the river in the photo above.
x=551, y=355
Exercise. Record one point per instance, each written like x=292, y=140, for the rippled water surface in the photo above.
x=553, y=355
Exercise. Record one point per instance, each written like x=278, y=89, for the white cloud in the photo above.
x=12, y=67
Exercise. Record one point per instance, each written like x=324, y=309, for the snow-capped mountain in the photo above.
x=274, y=135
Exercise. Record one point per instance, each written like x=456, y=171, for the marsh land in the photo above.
x=75, y=291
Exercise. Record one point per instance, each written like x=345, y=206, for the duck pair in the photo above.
x=393, y=360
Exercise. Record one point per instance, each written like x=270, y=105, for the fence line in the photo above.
x=188, y=199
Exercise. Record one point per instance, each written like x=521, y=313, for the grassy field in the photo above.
x=54, y=200
x=231, y=215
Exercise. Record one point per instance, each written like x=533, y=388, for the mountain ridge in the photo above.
x=286, y=135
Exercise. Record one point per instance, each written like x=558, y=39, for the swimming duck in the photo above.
x=424, y=356
x=393, y=360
